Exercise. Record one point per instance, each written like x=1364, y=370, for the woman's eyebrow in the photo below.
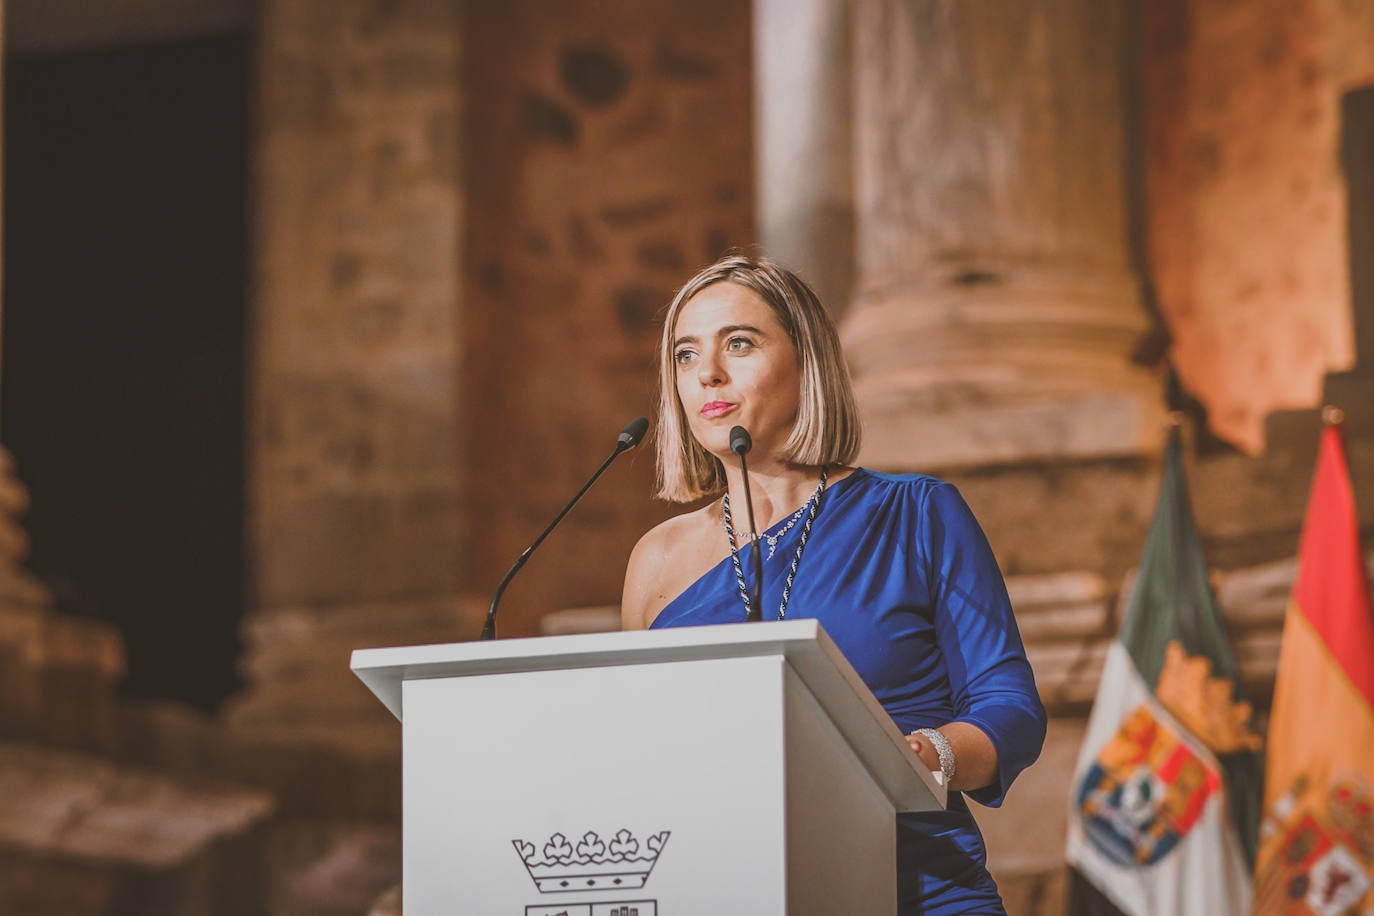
x=720, y=332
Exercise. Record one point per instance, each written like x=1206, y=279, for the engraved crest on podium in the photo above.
x=591, y=863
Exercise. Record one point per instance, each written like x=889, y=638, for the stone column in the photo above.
x=802, y=103
x=996, y=307
x=354, y=445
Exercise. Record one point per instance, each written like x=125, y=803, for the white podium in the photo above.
x=741, y=769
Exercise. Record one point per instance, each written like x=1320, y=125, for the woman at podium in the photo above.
x=895, y=567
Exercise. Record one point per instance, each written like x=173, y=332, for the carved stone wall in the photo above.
x=1246, y=198
x=608, y=155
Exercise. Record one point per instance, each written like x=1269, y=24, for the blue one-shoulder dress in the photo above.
x=899, y=574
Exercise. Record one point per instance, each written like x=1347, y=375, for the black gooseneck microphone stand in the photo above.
x=740, y=444
x=629, y=437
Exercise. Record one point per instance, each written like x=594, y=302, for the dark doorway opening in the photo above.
x=123, y=387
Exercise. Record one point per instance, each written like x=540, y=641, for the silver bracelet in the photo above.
x=942, y=748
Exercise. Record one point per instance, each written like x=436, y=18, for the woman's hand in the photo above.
x=975, y=759
x=925, y=750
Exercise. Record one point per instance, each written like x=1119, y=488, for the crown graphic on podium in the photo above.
x=591, y=863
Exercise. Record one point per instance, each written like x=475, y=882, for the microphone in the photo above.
x=740, y=441
x=740, y=444
x=629, y=437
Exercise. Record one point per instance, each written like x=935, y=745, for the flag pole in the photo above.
x=1174, y=422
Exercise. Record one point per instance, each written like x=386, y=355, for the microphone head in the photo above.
x=740, y=443
x=633, y=432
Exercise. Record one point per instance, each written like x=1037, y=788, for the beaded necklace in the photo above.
x=812, y=506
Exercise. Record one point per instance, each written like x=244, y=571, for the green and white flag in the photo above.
x=1164, y=802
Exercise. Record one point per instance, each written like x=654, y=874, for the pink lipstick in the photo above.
x=712, y=409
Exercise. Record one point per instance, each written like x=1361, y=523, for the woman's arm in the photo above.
x=999, y=722
x=642, y=577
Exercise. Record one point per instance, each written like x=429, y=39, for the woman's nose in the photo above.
x=710, y=372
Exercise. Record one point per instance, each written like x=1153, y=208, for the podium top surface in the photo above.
x=807, y=649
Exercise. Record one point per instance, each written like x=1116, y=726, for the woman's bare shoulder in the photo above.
x=668, y=558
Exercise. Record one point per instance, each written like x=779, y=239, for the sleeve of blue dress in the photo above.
x=991, y=682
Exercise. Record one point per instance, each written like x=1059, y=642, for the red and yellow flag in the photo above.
x=1316, y=851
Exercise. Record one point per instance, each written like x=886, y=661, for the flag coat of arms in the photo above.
x=1164, y=801
x=1317, y=837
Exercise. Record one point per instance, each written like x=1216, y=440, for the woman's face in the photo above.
x=735, y=367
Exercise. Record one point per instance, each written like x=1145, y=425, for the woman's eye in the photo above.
x=738, y=344
x=683, y=357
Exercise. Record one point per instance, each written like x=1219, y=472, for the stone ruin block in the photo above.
x=81, y=835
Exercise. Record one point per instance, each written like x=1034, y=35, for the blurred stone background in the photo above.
x=316, y=310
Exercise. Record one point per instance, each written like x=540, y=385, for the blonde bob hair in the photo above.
x=827, y=430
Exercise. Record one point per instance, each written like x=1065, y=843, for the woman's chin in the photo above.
x=720, y=449
x=715, y=439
